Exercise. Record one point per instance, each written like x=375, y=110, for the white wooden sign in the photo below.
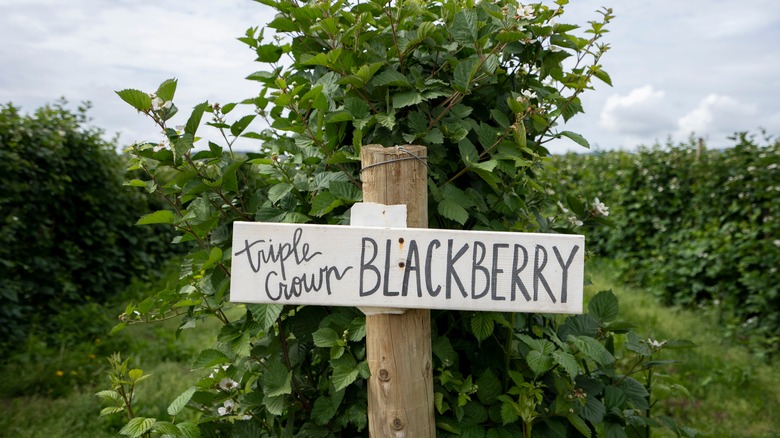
x=356, y=266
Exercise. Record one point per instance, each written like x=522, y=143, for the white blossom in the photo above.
x=563, y=209
x=600, y=208
x=228, y=384
x=227, y=408
x=158, y=104
x=574, y=221
x=525, y=12
x=654, y=343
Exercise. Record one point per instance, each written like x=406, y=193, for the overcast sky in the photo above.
x=708, y=67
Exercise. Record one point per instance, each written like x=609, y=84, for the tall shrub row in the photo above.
x=67, y=233
x=701, y=225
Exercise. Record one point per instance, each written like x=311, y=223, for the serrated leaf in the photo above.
x=568, y=362
x=464, y=73
x=614, y=398
x=269, y=53
x=167, y=89
x=488, y=387
x=166, y=429
x=324, y=203
x=452, y=210
x=135, y=374
x=188, y=430
x=323, y=410
x=111, y=410
x=482, y=325
x=604, y=306
x=265, y=314
x=277, y=380
x=158, y=217
x=577, y=138
x=468, y=152
x=136, y=98
x=108, y=395
x=137, y=426
x=241, y=124
x=345, y=371
x=635, y=392
x=442, y=348
x=509, y=412
x=386, y=120
x=464, y=27
x=539, y=362
x=326, y=337
x=406, y=98
x=209, y=358
x=181, y=401
x=603, y=76
x=194, y=120
x=279, y=191
x=594, y=350
x=390, y=77
x=579, y=424
x=593, y=410
x=274, y=405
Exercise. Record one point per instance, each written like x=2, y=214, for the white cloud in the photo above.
x=642, y=112
x=718, y=116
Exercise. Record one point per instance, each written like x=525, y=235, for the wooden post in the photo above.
x=400, y=389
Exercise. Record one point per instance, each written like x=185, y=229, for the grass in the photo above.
x=77, y=414
x=729, y=391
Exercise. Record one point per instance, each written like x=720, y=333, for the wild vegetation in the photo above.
x=698, y=225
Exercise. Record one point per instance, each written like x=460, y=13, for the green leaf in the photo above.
x=158, y=217
x=326, y=337
x=593, y=349
x=539, y=362
x=604, y=306
x=167, y=89
x=269, y=53
x=452, y=210
x=390, y=77
x=324, y=203
x=468, y=152
x=209, y=358
x=274, y=405
x=488, y=387
x=136, y=98
x=509, y=412
x=579, y=424
x=593, y=410
x=406, y=98
x=111, y=410
x=603, y=76
x=577, y=138
x=194, y=121
x=188, y=430
x=345, y=371
x=178, y=404
x=277, y=380
x=323, y=410
x=241, y=124
x=568, y=362
x=482, y=325
x=464, y=27
x=166, y=429
x=135, y=374
x=386, y=120
x=464, y=73
x=137, y=427
x=265, y=314
x=279, y=191
x=108, y=395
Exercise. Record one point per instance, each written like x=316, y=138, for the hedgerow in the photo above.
x=699, y=225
